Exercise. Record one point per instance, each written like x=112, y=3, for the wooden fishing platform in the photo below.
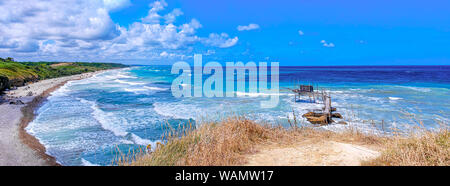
x=305, y=90
x=322, y=117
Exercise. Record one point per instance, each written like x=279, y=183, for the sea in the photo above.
x=96, y=120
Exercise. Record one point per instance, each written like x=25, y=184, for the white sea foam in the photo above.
x=124, y=141
x=419, y=89
x=129, y=83
x=394, y=98
x=337, y=91
x=62, y=91
x=140, y=141
x=87, y=163
x=182, y=111
x=144, y=90
x=107, y=120
x=191, y=110
x=112, y=123
x=155, y=88
x=126, y=76
x=135, y=90
x=258, y=94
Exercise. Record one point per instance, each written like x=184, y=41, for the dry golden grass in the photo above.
x=211, y=144
x=228, y=142
x=428, y=149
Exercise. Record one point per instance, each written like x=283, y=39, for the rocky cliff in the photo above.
x=17, y=82
x=4, y=83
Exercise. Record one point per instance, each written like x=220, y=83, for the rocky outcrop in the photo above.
x=321, y=118
x=4, y=83
x=18, y=82
x=312, y=114
x=336, y=115
x=342, y=122
x=16, y=102
x=317, y=118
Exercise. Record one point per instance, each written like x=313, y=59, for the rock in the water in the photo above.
x=311, y=114
x=16, y=102
x=336, y=115
x=317, y=118
x=30, y=93
x=322, y=120
x=342, y=122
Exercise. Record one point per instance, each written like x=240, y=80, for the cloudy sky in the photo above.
x=300, y=32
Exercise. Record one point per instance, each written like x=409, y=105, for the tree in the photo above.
x=10, y=59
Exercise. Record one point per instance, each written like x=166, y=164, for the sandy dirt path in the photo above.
x=309, y=153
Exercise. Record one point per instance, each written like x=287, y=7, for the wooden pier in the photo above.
x=305, y=90
x=322, y=117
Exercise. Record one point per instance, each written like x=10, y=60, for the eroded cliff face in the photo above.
x=4, y=83
x=17, y=82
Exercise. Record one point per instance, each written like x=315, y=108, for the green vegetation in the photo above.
x=18, y=73
x=13, y=70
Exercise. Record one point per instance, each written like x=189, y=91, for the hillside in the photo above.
x=14, y=74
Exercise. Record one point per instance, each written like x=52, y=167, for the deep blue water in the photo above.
x=89, y=121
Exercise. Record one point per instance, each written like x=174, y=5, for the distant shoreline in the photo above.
x=323, y=66
x=13, y=129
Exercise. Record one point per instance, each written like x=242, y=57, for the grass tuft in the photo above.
x=428, y=149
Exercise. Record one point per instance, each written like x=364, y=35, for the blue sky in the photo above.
x=320, y=32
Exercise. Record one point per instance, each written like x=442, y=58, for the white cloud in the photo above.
x=170, y=17
x=26, y=22
x=73, y=29
x=301, y=33
x=153, y=16
x=113, y=5
x=164, y=54
x=325, y=44
x=330, y=45
x=251, y=26
x=220, y=40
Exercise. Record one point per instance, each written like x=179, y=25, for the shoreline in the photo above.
x=17, y=146
x=28, y=115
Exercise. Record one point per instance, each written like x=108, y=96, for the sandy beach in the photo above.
x=18, y=148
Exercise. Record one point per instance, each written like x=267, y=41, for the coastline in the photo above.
x=17, y=146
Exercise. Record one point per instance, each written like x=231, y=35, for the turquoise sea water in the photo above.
x=87, y=122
